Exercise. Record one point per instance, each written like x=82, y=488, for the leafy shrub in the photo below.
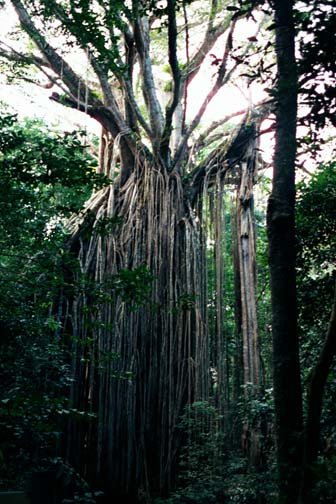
x=45, y=177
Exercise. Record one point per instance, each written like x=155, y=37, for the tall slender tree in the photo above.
x=281, y=235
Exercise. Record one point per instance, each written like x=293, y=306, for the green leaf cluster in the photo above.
x=97, y=26
x=46, y=176
x=316, y=245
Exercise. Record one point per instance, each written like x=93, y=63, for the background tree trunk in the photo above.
x=246, y=238
x=317, y=383
x=281, y=235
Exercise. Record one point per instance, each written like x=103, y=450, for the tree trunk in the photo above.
x=280, y=227
x=238, y=360
x=246, y=241
x=246, y=250
x=317, y=382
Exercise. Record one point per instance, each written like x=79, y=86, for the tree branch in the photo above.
x=174, y=65
x=12, y=54
x=204, y=137
x=109, y=98
x=108, y=116
x=55, y=61
x=132, y=111
x=223, y=157
x=186, y=79
x=239, y=146
x=212, y=34
x=220, y=81
x=141, y=37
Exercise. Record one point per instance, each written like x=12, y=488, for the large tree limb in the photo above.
x=127, y=85
x=239, y=146
x=208, y=136
x=132, y=111
x=229, y=22
x=8, y=52
x=75, y=85
x=142, y=42
x=223, y=157
x=174, y=65
x=109, y=98
x=211, y=36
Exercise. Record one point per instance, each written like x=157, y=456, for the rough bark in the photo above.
x=281, y=236
x=247, y=268
x=246, y=240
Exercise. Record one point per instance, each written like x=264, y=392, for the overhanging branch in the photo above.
x=8, y=52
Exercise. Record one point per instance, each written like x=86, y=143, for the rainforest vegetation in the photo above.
x=167, y=292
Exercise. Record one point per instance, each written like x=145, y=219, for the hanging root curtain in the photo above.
x=140, y=339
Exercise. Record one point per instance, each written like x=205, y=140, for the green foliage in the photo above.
x=325, y=474
x=34, y=379
x=186, y=302
x=92, y=25
x=201, y=457
x=133, y=285
x=317, y=48
x=209, y=472
x=46, y=176
x=203, y=449
x=316, y=243
x=254, y=411
x=316, y=222
x=106, y=226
